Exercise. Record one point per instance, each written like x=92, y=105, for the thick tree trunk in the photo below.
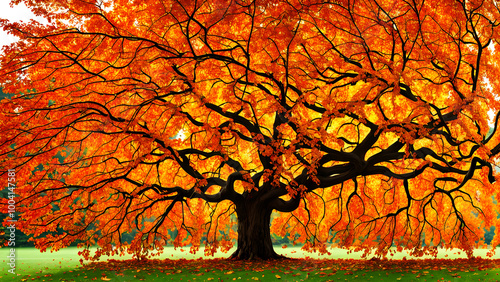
x=254, y=234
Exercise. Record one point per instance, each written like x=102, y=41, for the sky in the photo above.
x=19, y=12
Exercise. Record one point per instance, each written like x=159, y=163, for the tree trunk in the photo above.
x=254, y=234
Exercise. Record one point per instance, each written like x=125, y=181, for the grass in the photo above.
x=177, y=265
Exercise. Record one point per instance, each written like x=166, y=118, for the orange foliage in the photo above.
x=363, y=125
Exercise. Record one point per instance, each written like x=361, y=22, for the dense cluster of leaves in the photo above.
x=364, y=123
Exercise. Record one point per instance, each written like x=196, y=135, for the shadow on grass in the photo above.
x=64, y=266
x=283, y=270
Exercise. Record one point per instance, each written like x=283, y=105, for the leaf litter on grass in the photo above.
x=292, y=269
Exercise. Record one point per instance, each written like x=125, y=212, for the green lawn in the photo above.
x=177, y=265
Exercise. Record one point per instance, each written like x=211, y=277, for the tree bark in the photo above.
x=254, y=234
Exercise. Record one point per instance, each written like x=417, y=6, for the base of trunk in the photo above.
x=245, y=254
x=254, y=234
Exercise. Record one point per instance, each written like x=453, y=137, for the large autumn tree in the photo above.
x=361, y=123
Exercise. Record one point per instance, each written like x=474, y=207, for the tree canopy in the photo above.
x=364, y=124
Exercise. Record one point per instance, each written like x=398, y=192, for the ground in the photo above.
x=179, y=265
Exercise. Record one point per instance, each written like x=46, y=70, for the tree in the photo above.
x=363, y=123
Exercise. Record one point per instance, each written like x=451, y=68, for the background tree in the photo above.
x=363, y=123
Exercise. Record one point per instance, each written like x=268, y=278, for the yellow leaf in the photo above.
x=230, y=272
x=104, y=278
x=277, y=276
